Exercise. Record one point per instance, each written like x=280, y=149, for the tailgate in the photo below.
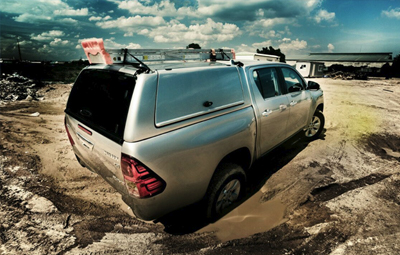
x=96, y=113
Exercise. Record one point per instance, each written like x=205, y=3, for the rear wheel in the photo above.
x=315, y=127
x=226, y=188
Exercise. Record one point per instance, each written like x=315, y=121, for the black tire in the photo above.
x=316, y=126
x=226, y=188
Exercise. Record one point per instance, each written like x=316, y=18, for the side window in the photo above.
x=292, y=80
x=267, y=82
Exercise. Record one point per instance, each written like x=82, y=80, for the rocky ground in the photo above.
x=336, y=195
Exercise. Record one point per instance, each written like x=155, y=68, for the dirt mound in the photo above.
x=386, y=146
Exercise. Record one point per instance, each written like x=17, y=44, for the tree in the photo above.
x=193, y=46
x=272, y=51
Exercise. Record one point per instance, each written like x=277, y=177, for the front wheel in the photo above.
x=226, y=188
x=315, y=127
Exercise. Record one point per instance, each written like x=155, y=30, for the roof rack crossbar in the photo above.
x=160, y=55
x=97, y=54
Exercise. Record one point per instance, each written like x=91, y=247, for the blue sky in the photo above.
x=53, y=29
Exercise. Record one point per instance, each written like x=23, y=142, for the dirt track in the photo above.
x=335, y=195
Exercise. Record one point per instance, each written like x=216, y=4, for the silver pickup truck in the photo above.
x=184, y=132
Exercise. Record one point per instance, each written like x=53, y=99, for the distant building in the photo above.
x=311, y=69
x=256, y=56
x=364, y=62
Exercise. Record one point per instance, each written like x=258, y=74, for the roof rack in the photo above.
x=97, y=54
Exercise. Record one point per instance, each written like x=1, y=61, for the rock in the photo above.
x=40, y=205
x=36, y=114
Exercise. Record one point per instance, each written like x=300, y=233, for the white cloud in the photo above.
x=59, y=42
x=95, y=18
x=71, y=12
x=324, y=15
x=331, y=47
x=45, y=49
x=110, y=43
x=228, y=10
x=392, y=13
x=163, y=8
x=128, y=34
x=25, y=43
x=269, y=34
x=313, y=3
x=245, y=48
x=31, y=18
x=290, y=46
x=172, y=31
x=39, y=7
x=69, y=21
x=259, y=27
x=178, y=32
x=47, y=36
x=262, y=44
x=132, y=23
x=33, y=11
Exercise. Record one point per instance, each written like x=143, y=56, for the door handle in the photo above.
x=293, y=103
x=266, y=112
x=282, y=107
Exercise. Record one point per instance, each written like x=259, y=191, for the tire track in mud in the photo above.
x=334, y=190
x=315, y=227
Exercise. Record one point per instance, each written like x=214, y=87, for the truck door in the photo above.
x=299, y=100
x=271, y=108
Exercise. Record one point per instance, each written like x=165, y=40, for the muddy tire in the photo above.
x=315, y=127
x=226, y=188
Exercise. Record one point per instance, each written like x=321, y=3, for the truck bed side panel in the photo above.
x=187, y=158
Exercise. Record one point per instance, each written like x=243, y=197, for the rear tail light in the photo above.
x=69, y=135
x=140, y=181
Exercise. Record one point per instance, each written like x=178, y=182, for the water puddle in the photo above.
x=249, y=218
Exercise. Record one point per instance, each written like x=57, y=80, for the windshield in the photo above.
x=100, y=99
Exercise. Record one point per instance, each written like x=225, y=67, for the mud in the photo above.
x=335, y=195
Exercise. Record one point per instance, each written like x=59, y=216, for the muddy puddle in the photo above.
x=251, y=217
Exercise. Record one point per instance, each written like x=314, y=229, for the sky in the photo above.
x=52, y=30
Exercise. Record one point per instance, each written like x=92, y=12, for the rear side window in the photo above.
x=100, y=99
x=267, y=82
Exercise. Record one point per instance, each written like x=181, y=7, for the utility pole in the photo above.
x=19, y=51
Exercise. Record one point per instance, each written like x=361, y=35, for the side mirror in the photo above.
x=295, y=88
x=313, y=85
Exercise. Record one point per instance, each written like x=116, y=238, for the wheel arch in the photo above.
x=320, y=107
x=240, y=156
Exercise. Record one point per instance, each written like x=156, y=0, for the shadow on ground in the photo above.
x=191, y=218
